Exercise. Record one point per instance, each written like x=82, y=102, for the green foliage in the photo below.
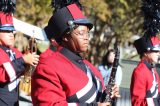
x=119, y=20
x=36, y=12
x=112, y=19
x=97, y=9
x=126, y=19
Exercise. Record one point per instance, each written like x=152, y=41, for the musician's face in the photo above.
x=111, y=57
x=6, y=38
x=78, y=40
x=152, y=56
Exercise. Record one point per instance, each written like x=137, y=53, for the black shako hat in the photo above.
x=145, y=44
x=151, y=27
x=64, y=20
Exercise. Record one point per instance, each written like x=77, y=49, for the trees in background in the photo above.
x=36, y=12
x=114, y=20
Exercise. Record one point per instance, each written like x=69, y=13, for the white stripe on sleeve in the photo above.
x=13, y=85
x=10, y=71
x=150, y=102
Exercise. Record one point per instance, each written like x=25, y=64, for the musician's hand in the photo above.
x=115, y=92
x=31, y=59
x=104, y=104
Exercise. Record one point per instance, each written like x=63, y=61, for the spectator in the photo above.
x=106, y=67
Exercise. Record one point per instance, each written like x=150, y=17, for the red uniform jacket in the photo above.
x=145, y=85
x=63, y=78
x=11, y=67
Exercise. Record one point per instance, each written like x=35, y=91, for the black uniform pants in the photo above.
x=3, y=103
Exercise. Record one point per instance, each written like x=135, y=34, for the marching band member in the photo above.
x=63, y=77
x=145, y=83
x=12, y=62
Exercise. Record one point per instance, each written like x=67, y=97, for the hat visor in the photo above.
x=156, y=48
x=7, y=28
x=84, y=22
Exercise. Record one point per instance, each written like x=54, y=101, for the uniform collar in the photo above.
x=74, y=58
x=4, y=47
x=53, y=48
x=71, y=55
x=149, y=65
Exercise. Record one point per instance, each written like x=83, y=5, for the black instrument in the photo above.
x=106, y=96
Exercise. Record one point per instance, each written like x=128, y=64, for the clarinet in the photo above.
x=106, y=96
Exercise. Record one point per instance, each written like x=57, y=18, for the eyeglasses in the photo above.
x=82, y=34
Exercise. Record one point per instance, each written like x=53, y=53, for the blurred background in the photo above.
x=114, y=21
x=118, y=20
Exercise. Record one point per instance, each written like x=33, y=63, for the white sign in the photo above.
x=29, y=29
